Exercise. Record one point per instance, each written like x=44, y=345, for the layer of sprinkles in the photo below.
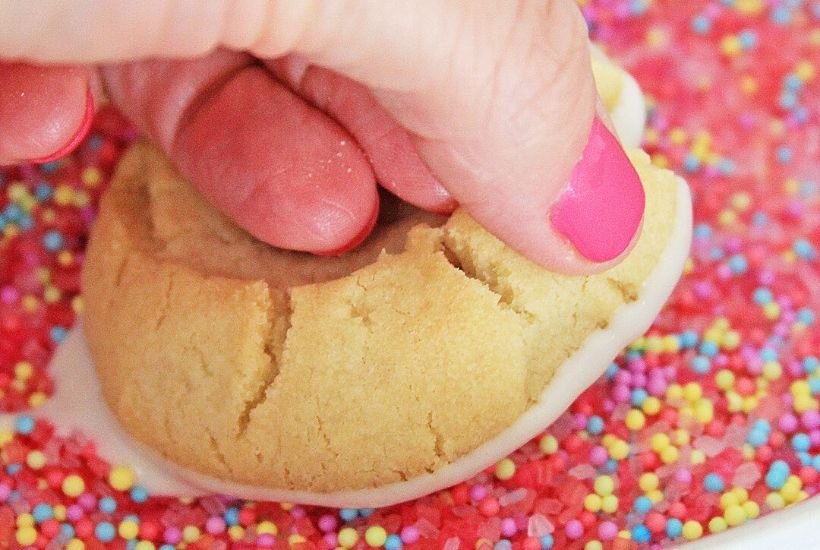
x=707, y=422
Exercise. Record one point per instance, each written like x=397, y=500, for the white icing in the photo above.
x=629, y=115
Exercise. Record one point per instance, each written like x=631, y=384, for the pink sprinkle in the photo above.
x=574, y=529
x=410, y=534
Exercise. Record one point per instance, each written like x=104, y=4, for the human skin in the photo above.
x=286, y=114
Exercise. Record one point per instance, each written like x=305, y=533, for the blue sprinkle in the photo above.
x=139, y=494
x=53, y=240
x=43, y=192
x=12, y=469
x=701, y=24
x=49, y=167
x=775, y=480
x=130, y=545
x=688, y=339
x=815, y=462
x=760, y=219
x=747, y=38
x=757, y=438
x=702, y=231
x=42, y=512
x=595, y=425
x=805, y=458
x=643, y=504
x=768, y=354
x=784, y=154
x=348, y=514
x=13, y=212
x=611, y=371
x=788, y=99
x=167, y=547
x=674, y=528
x=546, y=542
x=713, y=483
x=716, y=253
x=762, y=296
x=709, y=349
x=738, y=264
x=726, y=166
x=66, y=531
x=610, y=465
x=804, y=249
x=801, y=442
x=639, y=395
x=701, y=364
x=366, y=512
x=231, y=516
x=814, y=385
x=94, y=142
x=806, y=316
x=24, y=424
x=762, y=424
x=810, y=364
x=640, y=533
x=105, y=531
x=503, y=544
x=780, y=466
x=792, y=82
x=393, y=542
x=781, y=15
x=107, y=505
x=57, y=334
x=691, y=163
x=26, y=222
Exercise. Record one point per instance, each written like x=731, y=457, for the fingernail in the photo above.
x=358, y=239
x=601, y=209
x=78, y=136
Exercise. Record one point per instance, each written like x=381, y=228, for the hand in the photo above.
x=285, y=114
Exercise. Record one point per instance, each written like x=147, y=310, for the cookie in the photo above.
x=287, y=371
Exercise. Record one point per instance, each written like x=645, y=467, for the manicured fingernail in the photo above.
x=357, y=240
x=78, y=136
x=601, y=209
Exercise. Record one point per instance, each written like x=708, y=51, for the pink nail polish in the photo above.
x=601, y=209
x=85, y=125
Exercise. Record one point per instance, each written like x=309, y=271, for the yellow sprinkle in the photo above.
x=592, y=502
x=674, y=392
x=748, y=85
x=741, y=494
x=548, y=444
x=624, y=534
x=144, y=545
x=801, y=496
x=609, y=504
x=619, y=450
x=714, y=335
x=59, y=512
x=717, y=524
x=800, y=387
x=63, y=195
x=505, y=469
x=655, y=496
x=751, y=509
x=608, y=440
x=704, y=411
x=659, y=441
x=73, y=485
x=267, y=528
x=81, y=199
x=651, y=405
x=728, y=499
x=91, y=176
x=24, y=520
x=804, y=403
x=648, y=482
x=775, y=501
x=121, y=478
x=51, y=294
x=654, y=344
x=296, y=538
x=75, y=544
x=26, y=536
x=688, y=266
x=731, y=340
x=11, y=231
x=749, y=7
x=734, y=402
x=771, y=310
x=791, y=186
x=750, y=402
x=677, y=136
x=748, y=451
x=604, y=485
x=660, y=160
x=805, y=70
x=635, y=420
x=772, y=370
x=36, y=460
x=727, y=217
x=692, y=530
x=65, y=258
x=656, y=37
x=669, y=455
x=375, y=536
x=670, y=343
x=128, y=529
x=191, y=533
x=236, y=532
x=724, y=379
x=650, y=135
x=30, y=303
x=5, y=436
x=734, y=515
x=594, y=545
x=23, y=370
x=347, y=537
x=681, y=437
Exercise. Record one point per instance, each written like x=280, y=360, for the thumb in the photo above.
x=498, y=96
